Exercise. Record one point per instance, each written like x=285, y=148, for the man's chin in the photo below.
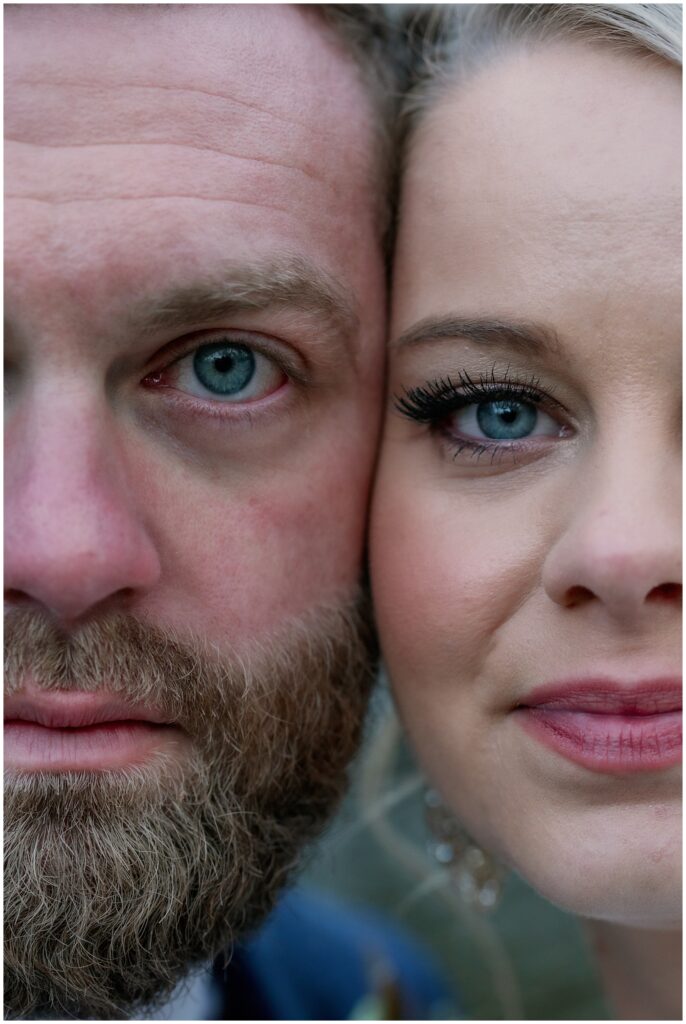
x=117, y=882
x=113, y=885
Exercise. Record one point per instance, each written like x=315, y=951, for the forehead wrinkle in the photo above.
x=269, y=60
x=184, y=126
x=160, y=171
x=132, y=143
x=93, y=87
x=72, y=200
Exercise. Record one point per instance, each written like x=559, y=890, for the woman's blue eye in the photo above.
x=502, y=419
x=506, y=419
x=224, y=369
x=478, y=416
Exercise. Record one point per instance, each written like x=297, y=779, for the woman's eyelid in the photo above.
x=442, y=395
x=501, y=382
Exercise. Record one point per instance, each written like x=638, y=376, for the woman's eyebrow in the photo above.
x=523, y=335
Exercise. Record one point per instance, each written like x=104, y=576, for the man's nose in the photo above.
x=620, y=550
x=76, y=541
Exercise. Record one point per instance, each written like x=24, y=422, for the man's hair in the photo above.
x=375, y=41
x=449, y=42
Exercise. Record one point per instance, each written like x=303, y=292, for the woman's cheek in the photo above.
x=447, y=572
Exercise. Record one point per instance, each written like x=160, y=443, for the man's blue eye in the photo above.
x=506, y=419
x=223, y=372
x=224, y=369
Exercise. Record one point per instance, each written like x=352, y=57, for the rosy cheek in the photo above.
x=441, y=590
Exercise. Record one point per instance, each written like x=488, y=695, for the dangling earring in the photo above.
x=478, y=877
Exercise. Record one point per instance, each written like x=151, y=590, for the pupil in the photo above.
x=224, y=369
x=506, y=420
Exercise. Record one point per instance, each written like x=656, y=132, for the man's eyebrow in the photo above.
x=287, y=282
x=523, y=335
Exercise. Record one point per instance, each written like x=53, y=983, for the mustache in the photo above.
x=136, y=661
x=193, y=683
x=258, y=711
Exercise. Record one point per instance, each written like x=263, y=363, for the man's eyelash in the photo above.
x=436, y=399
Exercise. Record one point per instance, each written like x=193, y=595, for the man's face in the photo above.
x=172, y=178
x=195, y=304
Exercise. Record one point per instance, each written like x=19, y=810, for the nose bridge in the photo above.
x=621, y=542
x=73, y=534
x=60, y=460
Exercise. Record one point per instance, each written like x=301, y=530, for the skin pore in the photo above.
x=538, y=264
x=195, y=303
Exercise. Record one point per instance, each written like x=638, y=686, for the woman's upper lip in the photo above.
x=608, y=696
x=76, y=709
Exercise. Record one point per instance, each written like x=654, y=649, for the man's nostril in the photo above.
x=17, y=597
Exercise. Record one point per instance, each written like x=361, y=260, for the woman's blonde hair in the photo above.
x=448, y=42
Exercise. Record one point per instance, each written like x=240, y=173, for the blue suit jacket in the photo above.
x=317, y=960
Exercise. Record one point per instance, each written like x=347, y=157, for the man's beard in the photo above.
x=116, y=882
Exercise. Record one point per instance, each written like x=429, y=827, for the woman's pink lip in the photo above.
x=609, y=696
x=82, y=731
x=607, y=726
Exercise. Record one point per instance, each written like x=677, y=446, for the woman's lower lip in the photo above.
x=613, y=743
x=107, y=745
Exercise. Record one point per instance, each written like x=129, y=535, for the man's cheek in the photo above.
x=238, y=567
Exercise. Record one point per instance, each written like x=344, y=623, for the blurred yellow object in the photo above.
x=384, y=1001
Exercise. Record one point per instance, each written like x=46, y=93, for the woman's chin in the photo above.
x=602, y=899
x=629, y=881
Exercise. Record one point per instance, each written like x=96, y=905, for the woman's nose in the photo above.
x=620, y=548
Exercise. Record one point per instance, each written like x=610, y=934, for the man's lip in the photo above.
x=62, y=709
x=606, y=696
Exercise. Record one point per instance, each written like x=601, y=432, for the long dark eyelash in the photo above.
x=437, y=399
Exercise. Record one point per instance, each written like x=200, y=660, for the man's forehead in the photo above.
x=206, y=70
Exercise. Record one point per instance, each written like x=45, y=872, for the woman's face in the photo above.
x=526, y=522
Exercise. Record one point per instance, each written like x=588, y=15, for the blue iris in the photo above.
x=507, y=419
x=224, y=369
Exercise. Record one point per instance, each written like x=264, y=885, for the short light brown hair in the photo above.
x=376, y=42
